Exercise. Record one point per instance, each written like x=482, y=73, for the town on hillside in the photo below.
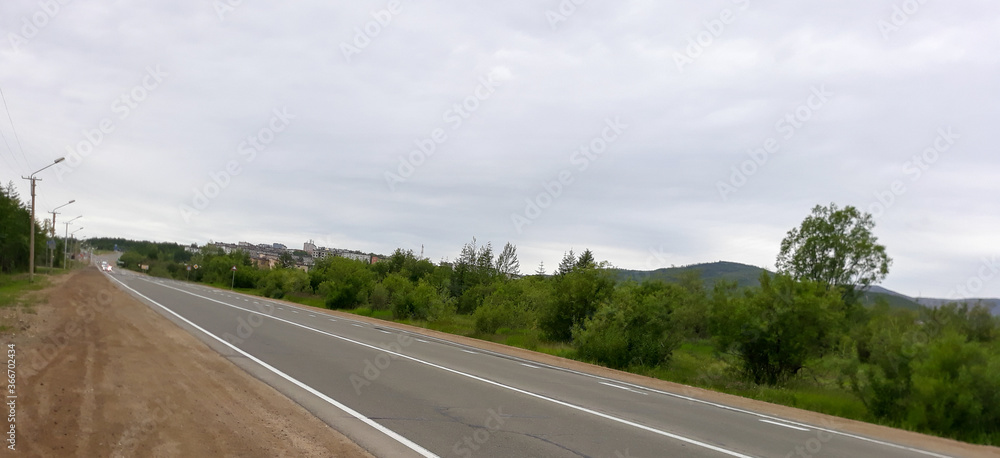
x=269, y=255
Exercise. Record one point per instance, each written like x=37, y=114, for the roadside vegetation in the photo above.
x=802, y=337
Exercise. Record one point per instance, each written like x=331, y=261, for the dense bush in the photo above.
x=633, y=327
x=279, y=282
x=513, y=305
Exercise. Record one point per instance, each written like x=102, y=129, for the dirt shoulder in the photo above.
x=100, y=374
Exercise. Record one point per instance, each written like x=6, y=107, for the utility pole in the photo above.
x=66, y=242
x=31, y=226
x=52, y=230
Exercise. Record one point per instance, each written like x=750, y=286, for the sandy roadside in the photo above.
x=100, y=374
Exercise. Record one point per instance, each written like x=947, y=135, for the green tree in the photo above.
x=777, y=327
x=15, y=223
x=346, y=283
x=507, y=265
x=835, y=247
x=577, y=294
x=285, y=260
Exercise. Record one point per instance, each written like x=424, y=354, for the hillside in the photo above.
x=744, y=275
x=748, y=276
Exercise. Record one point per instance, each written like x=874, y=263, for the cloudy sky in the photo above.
x=655, y=133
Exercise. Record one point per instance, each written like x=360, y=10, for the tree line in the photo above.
x=15, y=222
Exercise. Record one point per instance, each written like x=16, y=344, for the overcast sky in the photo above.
x=655, y=133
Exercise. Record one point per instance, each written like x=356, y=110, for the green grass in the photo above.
x=15, y=293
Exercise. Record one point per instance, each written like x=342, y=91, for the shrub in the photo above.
x=633, y=328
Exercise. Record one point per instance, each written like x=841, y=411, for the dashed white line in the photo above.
x=624, y=388
x=467, y=351
x=782, y=424
x=529, y=365
x=313, y=316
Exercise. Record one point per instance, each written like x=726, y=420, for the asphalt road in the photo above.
x=402, y=394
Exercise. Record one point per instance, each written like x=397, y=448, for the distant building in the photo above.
x=279, y=246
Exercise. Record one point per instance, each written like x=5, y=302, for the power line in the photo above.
x=13, y=129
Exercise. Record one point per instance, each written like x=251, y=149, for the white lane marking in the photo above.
x=313, y=316
x=494, y=383
x=782, y=424
x=387, y=332
x=255, y=302
x=624, y=388
x=467, y=351
x=421, y=340
x=295, y=311
x=388, y=432
x=358, y=325
x=280, y=308
x=529, y=365
x=331, y=319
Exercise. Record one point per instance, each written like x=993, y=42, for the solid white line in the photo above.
x=497, y=384
x=782, y=424
x=402, y=440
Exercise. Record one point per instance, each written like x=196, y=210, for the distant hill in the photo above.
x=744, y=275
x=747, y=276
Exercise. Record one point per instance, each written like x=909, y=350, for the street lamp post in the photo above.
x=66, y=242
x=53, y=229
x=66, y=265
x=31, y=227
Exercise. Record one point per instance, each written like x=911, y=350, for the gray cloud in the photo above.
x=650, y=200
